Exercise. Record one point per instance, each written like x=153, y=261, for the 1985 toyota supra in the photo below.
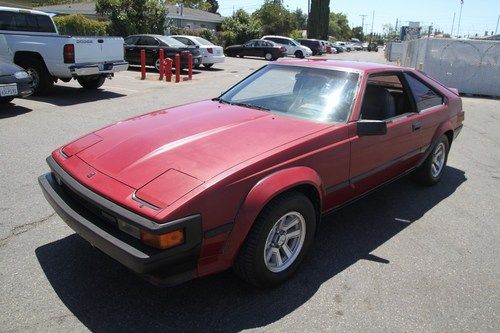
x=242, y=180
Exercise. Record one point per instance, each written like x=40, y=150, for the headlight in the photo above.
x=21, y=75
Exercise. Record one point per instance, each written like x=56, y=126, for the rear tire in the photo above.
x=287, y=221
x=91, y=82
x=269, y=56
x=43, y=82
x=430, y=172
x=207, y=66
x=299, y=54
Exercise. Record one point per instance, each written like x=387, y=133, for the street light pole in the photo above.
x=498, y=20
x=452, y=25
x=363, y=23
x=460, y=17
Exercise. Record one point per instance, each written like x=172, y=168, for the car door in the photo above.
x=132, y=51
x=151, y=45
x=376, y=159
x=248, y=49
x=429, y=104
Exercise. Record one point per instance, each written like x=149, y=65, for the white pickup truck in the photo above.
x=30, y=39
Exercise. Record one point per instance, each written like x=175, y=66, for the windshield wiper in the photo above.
x=220, y=100
x=250, y=106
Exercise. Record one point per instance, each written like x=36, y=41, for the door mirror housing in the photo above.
x=371, y=127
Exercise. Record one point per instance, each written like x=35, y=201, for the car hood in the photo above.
x=201, y=140
x=9, y=69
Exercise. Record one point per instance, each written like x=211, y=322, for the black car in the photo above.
x=14, y=82
x=257, y=48
x=372, y=47
x=152, y=44
x=313, y=44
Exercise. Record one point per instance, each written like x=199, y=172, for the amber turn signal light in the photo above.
x=163, y=241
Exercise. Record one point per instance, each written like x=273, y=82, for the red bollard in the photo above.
x=162, y=64
x=190, y=66
x=177, y=68
x=143, y=64
x=168, y=69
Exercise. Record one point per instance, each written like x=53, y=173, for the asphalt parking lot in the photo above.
x=405, y=258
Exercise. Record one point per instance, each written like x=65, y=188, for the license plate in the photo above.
x=8, y=89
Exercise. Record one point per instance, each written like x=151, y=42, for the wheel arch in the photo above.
x=301, y=179
x=19, y=56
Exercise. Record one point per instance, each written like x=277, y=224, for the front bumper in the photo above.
x=79, y=208
x=96, y=69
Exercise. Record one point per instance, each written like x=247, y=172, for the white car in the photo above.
x=292, y=47
x=211, y=53
x=31, y=40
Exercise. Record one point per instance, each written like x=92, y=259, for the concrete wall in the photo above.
x=393, y=51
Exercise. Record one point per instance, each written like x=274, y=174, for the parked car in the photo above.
x=313, y=44
x=345, y=47
x=211, y=53
x=257, y=48
x=14, y=82
x=338, y=48
x=365, y=46
x=31, y=40
x=243, y=180
x=357, y=46
x=373, y=47
x=292, y=47
x=152, y=45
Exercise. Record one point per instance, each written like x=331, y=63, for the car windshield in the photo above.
x=316, y=94
x=203, y=41
x=171, y=41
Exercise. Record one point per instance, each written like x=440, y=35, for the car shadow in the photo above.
x=12, y=110
x=105, y=296
x=67, y=96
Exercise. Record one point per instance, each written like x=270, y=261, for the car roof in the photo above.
x=342, y=64
x=22, y=10
x=274, y=36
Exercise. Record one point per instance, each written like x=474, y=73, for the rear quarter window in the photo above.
x=425, y=96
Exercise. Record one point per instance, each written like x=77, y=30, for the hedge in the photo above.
x=79, y=25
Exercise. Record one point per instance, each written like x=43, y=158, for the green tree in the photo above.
x=275, y=18
x=239, y=28
x=357, y=32
x=338, y=26
x=133, y=16
x=300, y=19
x=317, y=22
x=214, y=6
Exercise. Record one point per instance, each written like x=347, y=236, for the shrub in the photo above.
x=295, y=34
x=79, y=25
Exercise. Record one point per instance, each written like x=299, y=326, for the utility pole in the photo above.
x=371, y=33
x=308, y=7
x=498, y=20
x=363, y=22
x=460, y=17
x=452, y=25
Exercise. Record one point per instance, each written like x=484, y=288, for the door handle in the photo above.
x=416, y=126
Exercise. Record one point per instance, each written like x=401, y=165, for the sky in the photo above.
x=477, y=15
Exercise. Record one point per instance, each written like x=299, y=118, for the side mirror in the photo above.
x=371, y=127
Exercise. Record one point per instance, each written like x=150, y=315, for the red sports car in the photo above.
x=242, y=180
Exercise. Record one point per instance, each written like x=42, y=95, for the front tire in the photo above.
x=91, y=82
x=431, y=171
x=278, y=241
x=207, y=66
x=299, y=54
